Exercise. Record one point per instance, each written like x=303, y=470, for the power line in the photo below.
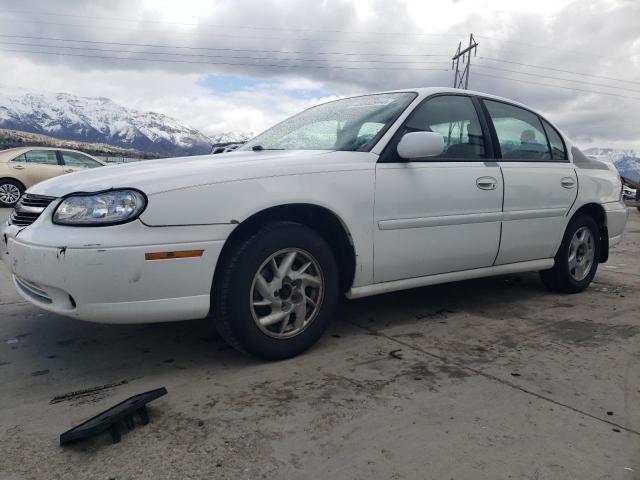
x=294, y=65
x=557, y=70
x=489, y=38
x=227, y=26
x=552, y=77
x=555, y=86
x=157, y=60
x=184, y=47
x=262, y=65
x=306, y=52
x=201, y=55
x=541, y=47
x=226, y=35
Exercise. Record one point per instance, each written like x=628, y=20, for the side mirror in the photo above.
x=420, y=144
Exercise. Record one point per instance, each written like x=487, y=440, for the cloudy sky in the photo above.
x=241, y=65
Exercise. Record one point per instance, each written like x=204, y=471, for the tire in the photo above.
x=565, y=278
x=10, y=192
x=242, y=313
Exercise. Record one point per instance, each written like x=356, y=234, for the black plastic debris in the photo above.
x=110, y=419
x=396, y=354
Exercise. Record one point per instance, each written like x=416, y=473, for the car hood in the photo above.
x=154, y=176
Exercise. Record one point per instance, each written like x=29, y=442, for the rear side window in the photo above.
x=44, y=157
x=558, y=151
x=520, y=133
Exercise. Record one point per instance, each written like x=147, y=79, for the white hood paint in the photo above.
x=154, y=176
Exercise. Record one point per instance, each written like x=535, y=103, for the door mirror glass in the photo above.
x=416, y=145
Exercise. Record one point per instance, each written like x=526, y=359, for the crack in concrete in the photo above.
x=14, y=303
x=497, y=379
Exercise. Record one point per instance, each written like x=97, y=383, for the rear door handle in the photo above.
x=568, y=182
x=19, y=167
x=486, y=183
x=69, y=170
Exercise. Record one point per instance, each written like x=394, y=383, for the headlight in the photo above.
x=96, y=209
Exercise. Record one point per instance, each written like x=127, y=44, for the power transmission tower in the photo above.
x=462, y=75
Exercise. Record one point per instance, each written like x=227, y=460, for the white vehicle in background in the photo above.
x=628, y=193
x=356, y=197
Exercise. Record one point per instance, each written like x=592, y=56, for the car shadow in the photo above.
x=70, y=344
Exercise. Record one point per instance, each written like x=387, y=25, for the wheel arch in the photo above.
x=14, y=180
x=323, y=221
x=596, y=211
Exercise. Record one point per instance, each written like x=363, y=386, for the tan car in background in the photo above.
x=23, y=167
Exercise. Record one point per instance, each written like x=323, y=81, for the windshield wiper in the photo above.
x=259, y=148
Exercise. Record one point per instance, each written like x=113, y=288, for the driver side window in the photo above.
x=455, y=118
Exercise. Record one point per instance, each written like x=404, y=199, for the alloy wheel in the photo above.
x=581, y=254
x=9, y=193
x=286, y=293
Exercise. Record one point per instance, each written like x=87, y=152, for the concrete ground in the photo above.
x=488, y=379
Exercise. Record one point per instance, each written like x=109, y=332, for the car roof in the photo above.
x=426, y=91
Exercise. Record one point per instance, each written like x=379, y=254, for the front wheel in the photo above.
x=277, y=291
x=577, y=259
x=10, y=192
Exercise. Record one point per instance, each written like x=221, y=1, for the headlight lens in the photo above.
x=105, y=208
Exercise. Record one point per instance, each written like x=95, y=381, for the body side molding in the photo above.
x=407, y=283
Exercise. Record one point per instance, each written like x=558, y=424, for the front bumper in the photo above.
x=112, y=283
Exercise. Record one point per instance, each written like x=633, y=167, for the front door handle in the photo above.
x=19, y=167
x=568, y=182
x=486, y=183
x=69, y=170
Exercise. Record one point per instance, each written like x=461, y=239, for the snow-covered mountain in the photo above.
x=609, y=154
x=629, y=167
x=231, y=137
x=626, y=161
x=98, y=120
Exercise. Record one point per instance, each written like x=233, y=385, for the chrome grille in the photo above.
x=29, y=208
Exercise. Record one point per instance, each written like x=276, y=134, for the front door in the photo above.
x=540, y=183
x=36, y=165
x=438, y=214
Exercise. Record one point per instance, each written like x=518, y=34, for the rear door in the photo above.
x=438, y=214
x=540, y=183
x=35, y=166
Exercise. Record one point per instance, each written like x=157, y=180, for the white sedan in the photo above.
x=355, y=197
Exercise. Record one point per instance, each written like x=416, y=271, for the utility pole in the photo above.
x=462, y=75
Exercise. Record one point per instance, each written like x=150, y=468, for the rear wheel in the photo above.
x=277, y=291
x=577, y=259
x=10, y=192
